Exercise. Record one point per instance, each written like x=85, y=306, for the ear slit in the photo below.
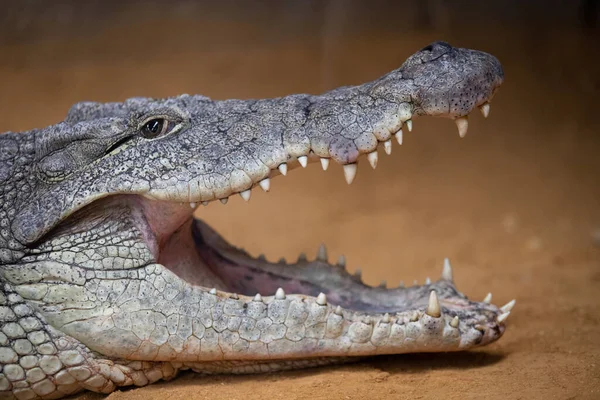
x=118, y=144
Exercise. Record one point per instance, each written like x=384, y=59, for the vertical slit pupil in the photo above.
x=153, y=128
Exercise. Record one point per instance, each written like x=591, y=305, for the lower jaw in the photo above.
x=201, y=257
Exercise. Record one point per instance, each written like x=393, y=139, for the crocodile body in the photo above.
x=107, y=280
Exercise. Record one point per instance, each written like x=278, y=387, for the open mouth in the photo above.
x=203, y=259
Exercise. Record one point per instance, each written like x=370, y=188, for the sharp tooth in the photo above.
x=399, y=136
x=205, y=203
x=265, y=184
x=192, y=205
x=322, y=299
x=322, y=253
x=303, y=160
x=502, y=317
x=283, y=169
x=383, y=284
x=387, y=146
x=234, y=296
x=325, y=163
x=302, y=257
x=258, y=297
x=224, y=200
x=358, y=274
x=485, y=109
x=341, y=260
x=447, y=270
x=414, y=317
x=488, y=298
x=428, y=281
x=372, y=157
x=350, y=172
x=212, y=291
x=454, y=322
x=386, y=318
x=338, y=310
x=433, y=308
x=246, y=194
x=508, y=306
x=409, y=125
x=280, y=294
x=261, y=257
x=463, y=125
x=401, y=284
x=282, y=261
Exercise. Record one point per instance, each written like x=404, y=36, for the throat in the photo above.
x=179, y=255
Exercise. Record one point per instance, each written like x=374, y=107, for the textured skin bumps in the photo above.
x=95, y=284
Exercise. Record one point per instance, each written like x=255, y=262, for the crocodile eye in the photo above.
x=156, y=127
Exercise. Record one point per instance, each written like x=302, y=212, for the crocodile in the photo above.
x=108, y=280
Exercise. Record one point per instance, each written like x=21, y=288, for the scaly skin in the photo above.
x=106, y=279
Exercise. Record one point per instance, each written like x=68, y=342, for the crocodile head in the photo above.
x=99, y=241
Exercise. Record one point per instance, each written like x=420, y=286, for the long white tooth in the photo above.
x=409, y=125
x=502, y=317
x=373, y=157
x=205, y=203
x=212, y=291
x=283, y=169
x=485, y=109
x=487, y=298
x=280, y=294
x=322, y=253
x=399, y=136
x=224, y=200
x=386, y=318
x=433, y=308
x=192, y=205
x=258, y=297
x=322, y=299
x=265, y=184
x=387, y=146
x=338, y=310
x=447, y=270
x=325, y=163
x=463, y=125
x=428, y=281
x=246, y=194
x=341, y=260
x=454, y=322
x=350, y=172
x=303, y=160
x=508, y=306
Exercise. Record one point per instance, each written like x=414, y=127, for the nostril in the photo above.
x=428, y=48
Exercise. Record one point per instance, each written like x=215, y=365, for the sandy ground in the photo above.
x=515, y=205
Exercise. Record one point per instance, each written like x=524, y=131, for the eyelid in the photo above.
x=166, y=117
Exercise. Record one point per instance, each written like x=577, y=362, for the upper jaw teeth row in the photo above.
x=350, y=170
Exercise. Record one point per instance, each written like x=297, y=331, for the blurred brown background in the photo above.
x=515, y=205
